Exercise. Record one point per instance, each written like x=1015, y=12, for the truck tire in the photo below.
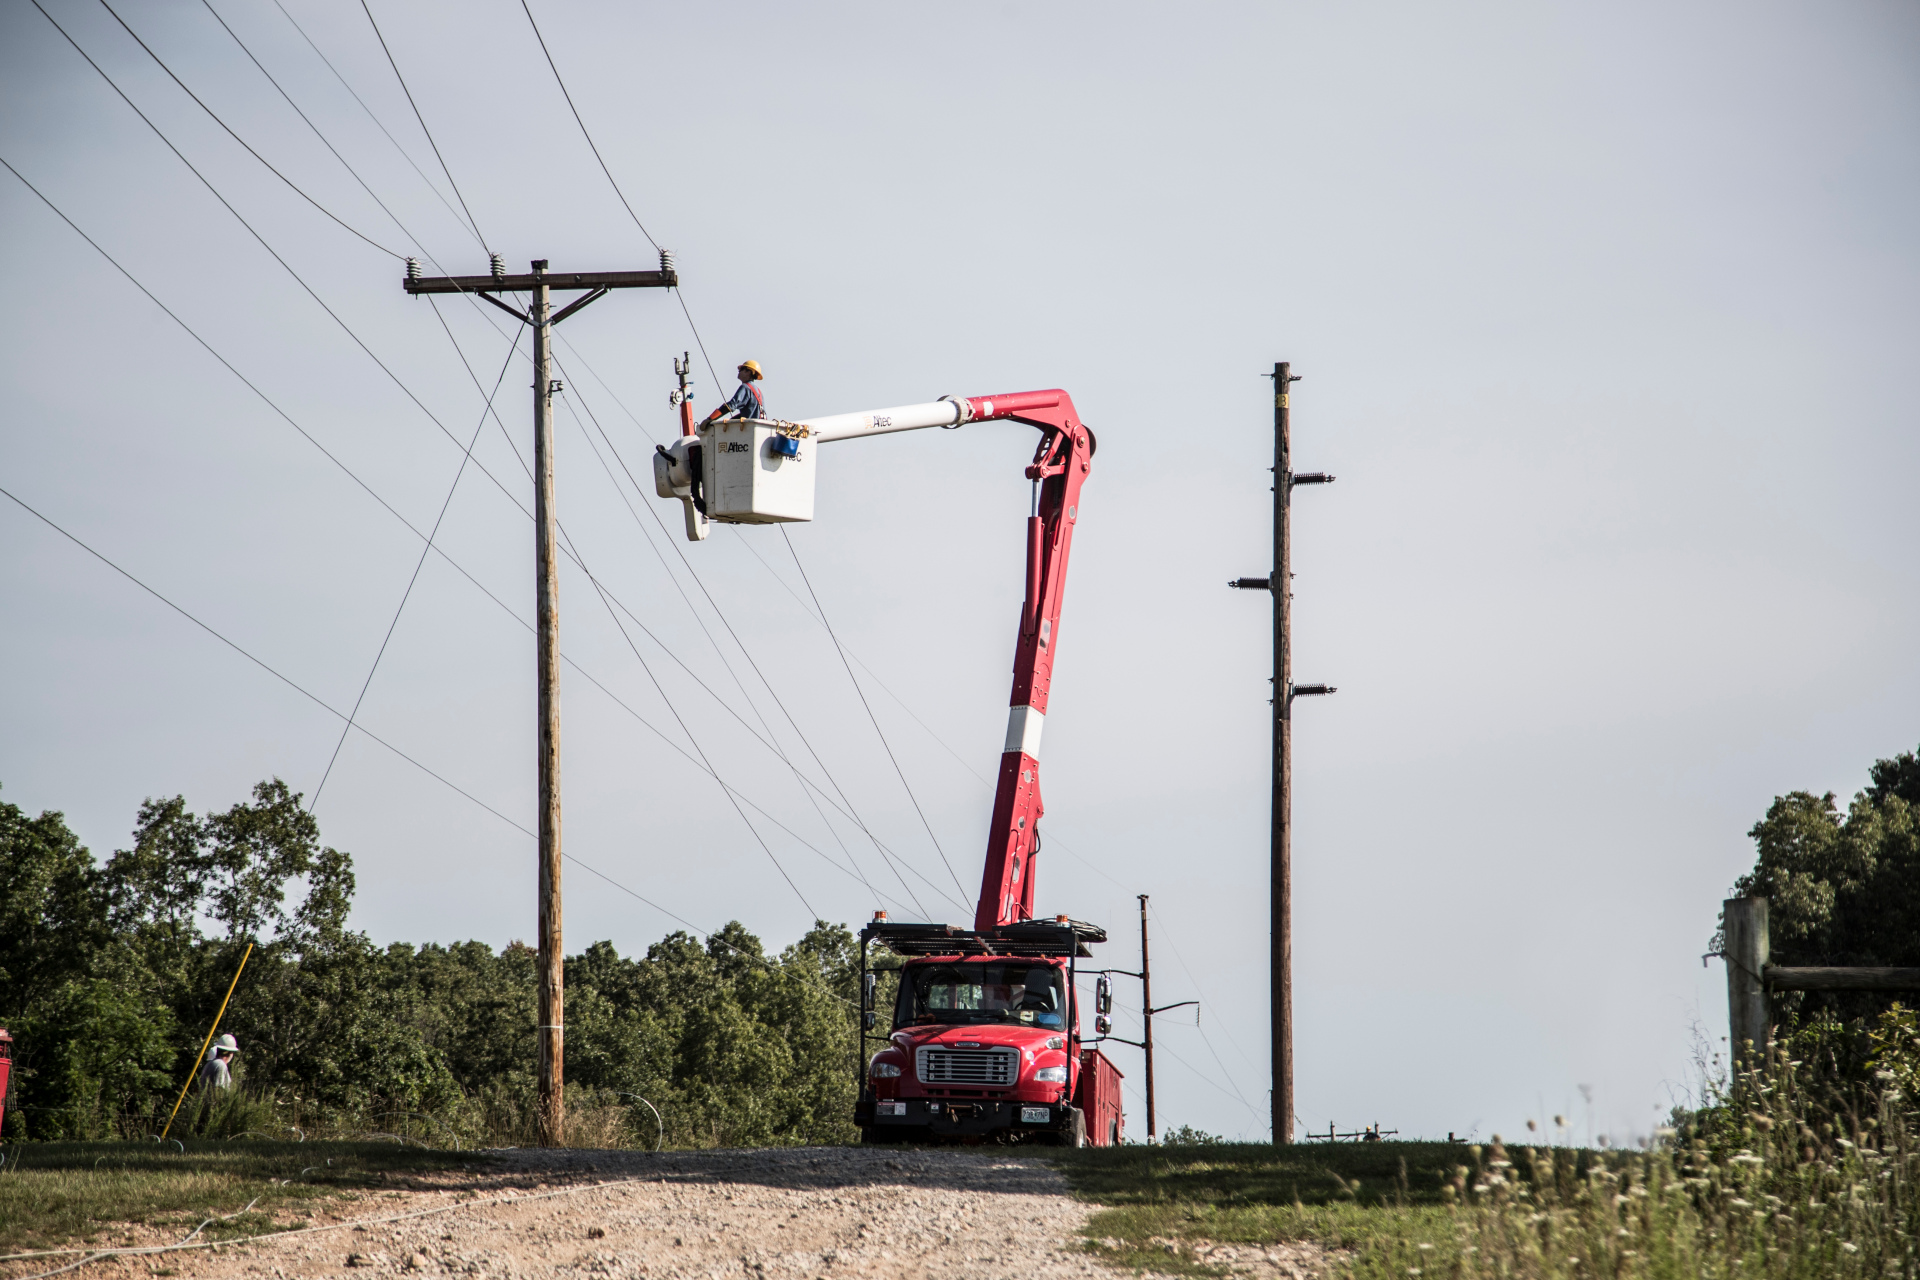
x=1075, y=1132
x=873, y=1136
x=1113, y=1134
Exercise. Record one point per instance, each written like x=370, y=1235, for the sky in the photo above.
x=1608, y=321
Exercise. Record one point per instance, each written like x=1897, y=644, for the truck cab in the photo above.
x=984, y=1039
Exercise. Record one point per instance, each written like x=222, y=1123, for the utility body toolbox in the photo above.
x=1098, y=1098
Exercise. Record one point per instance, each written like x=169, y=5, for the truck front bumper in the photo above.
x=911, y=1118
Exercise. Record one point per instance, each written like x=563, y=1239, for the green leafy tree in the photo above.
x=1842, y=889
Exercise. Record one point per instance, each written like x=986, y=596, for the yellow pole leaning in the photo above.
x=209, y=1040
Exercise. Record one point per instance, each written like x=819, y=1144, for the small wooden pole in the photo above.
x=1146, y=1011
x=1749, y=1019
x=231, y=986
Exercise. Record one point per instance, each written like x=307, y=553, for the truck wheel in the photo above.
x=1075, y=1133
x=874, y=1136
x=1113, y=1134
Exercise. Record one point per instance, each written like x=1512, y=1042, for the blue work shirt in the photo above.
x=747, y=402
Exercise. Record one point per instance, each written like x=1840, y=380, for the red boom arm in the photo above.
x=1060, y=466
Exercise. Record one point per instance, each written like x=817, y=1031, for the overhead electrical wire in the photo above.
x=700, y=342
x=320, y=702
x=471, y=221
x=679, y=294
x=573, y=554
x=473, y=226
x=583, y=126
x=404, y=154
x=298, y=279
x=466, y=452
x=680, y=590
x=418, y=565
x=794, y=769
x=291, y=185
x=870, y=716
x=1188, y=970
x=306, y=120
x=846, y=806
x=372, y=493
x=312, y=697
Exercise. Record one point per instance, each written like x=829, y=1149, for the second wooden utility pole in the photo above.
x=1146, y=1004
x=1279, y=583
x=550, y=1119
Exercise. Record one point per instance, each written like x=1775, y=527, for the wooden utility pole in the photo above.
x=1279, y=583
x=550, y=1105
x=1146, y=1004
x=550, y=1118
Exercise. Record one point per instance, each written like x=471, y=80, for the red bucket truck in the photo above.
x=984, y=1038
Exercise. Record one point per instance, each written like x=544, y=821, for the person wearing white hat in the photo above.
x=214, y=1072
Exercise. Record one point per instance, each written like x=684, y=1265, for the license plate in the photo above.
x=889, y=1108
x=1035, y=1115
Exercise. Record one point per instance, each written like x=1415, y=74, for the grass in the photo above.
x=1782, y=1179
x=1163, y=1201
x=66, y=1193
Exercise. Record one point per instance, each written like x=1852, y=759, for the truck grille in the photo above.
x=994, y=1068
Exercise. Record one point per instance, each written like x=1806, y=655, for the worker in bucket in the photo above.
x=215, y=1073
x=747, y=402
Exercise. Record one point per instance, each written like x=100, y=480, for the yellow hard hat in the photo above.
x=753, y=365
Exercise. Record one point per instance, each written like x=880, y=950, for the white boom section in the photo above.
x=876, y=422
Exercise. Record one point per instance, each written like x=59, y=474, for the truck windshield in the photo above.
x=982, y=991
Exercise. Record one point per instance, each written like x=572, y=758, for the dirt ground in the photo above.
x=807, y=1212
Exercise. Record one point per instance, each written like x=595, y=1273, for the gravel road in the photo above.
x=805, y=1212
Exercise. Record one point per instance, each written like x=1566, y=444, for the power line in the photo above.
x=870, y=716
x=674, y=711
x=574, y=555
x=679, y=294
x=423, y=124
x=309, y=123
x=294, y=187
x=387, y=506
x=772, y=741
x=417, y=566
x=331, y=710
x=1185, y=968
x=846, y=806
x=597, y=586
x=583, y=126
x=404, y=154
x=331, y=313
x=701, y=343
x=258, y=662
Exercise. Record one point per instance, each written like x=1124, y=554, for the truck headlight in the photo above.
x=891, y=1070
x=1051, y=1075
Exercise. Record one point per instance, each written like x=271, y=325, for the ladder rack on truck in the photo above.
x=984, y=1038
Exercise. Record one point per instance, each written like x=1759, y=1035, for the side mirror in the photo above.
x=1103, y=996
x=869, y=988
x=1103, y=1024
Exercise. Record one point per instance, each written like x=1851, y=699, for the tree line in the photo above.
x=111, y=973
